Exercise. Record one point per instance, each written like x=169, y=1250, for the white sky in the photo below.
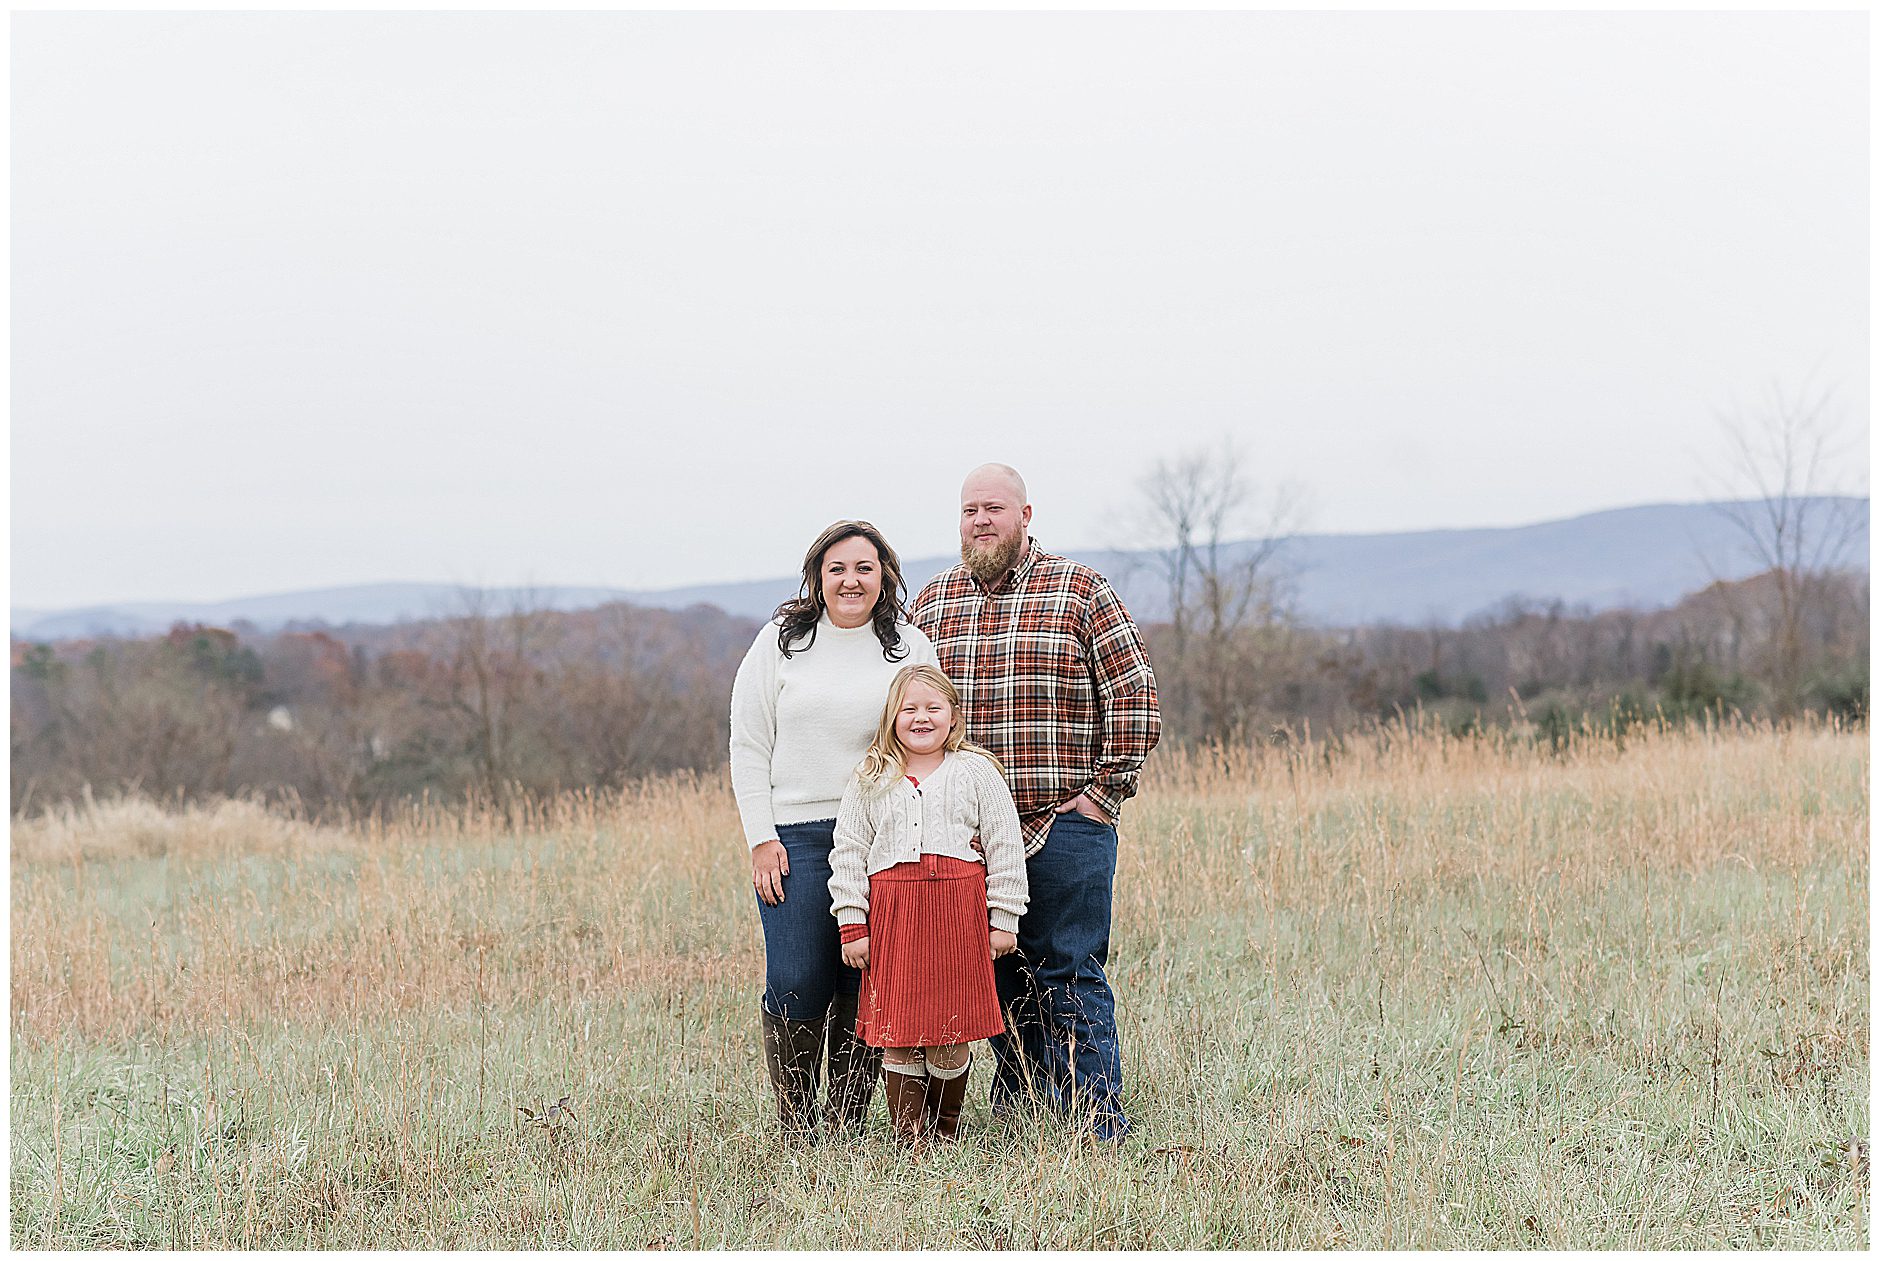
x=648, y=299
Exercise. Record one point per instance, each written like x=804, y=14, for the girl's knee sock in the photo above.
x=911, y=1068
x=948, y=1074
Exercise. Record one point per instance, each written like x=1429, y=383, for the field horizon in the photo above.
x=1645, y=556
x=1408, y=990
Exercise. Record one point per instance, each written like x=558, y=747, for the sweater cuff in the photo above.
x=1004, y=920
x=851, y=915
x=853, y=932
x=757, y=831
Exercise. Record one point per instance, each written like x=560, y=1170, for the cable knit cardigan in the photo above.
x=880, y=825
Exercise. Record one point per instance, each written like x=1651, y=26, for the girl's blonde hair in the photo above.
x=886, y=760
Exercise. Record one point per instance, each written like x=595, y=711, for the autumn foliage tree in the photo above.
x=494, y=704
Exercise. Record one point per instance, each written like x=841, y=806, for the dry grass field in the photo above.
x=1414, y=991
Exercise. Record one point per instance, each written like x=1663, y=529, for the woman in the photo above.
x=803, y=708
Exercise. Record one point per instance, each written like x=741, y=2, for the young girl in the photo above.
x=921, y=913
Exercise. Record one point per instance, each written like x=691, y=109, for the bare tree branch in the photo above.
x=1216, y=546
x=1799, y=520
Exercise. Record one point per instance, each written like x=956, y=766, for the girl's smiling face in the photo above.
x=925, y=720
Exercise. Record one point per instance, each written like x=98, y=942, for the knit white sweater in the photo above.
x=882, y=825
x=800, y=726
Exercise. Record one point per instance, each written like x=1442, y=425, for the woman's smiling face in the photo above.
x=925, y=719
x=851, y=581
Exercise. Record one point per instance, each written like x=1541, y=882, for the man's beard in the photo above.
x=991, y=564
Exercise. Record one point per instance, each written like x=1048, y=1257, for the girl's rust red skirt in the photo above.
x=929, y=975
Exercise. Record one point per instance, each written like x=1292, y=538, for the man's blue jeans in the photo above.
x=802, y=946
x=1060, y=1043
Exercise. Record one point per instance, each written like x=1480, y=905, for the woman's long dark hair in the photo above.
x=799, y=616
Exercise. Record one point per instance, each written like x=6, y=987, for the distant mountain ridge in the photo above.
x=1645, y=557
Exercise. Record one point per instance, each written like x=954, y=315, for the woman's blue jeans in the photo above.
x=803, y=967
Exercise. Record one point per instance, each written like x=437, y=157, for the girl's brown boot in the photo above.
x=906, y=1088
x=946, y=1097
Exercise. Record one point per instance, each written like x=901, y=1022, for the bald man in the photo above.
x=1055, y=681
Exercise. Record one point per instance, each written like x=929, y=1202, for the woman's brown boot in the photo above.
x=907, y=1100
x=852, y=1068
x=793, y=1054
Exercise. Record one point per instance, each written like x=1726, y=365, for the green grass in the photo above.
x=1614, y=1002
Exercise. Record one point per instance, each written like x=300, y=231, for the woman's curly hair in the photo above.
x=800, y=615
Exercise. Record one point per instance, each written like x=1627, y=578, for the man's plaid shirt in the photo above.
x=1054, y=679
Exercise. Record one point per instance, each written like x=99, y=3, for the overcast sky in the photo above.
x=646, y=300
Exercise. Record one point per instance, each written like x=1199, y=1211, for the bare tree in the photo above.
x=1798, y=520
x=640, y=698
x=492, y=659
x=1219, y=540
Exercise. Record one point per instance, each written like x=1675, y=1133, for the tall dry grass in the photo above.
x=1413, y=990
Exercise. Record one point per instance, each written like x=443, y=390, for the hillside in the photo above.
x=1645, y=557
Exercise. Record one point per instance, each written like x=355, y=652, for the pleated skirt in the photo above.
x=929, y=975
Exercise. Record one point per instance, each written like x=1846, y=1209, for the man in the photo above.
x=1055, y=681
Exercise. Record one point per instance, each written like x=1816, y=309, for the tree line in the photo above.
x=487, y=703
x=1234, y=661
x=500, y=703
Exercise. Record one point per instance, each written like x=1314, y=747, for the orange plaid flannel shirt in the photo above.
x=1054, y=679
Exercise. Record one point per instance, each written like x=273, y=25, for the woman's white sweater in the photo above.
x=885, y=824
x=800, y=726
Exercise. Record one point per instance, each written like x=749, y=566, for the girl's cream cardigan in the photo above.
x=882, y=824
